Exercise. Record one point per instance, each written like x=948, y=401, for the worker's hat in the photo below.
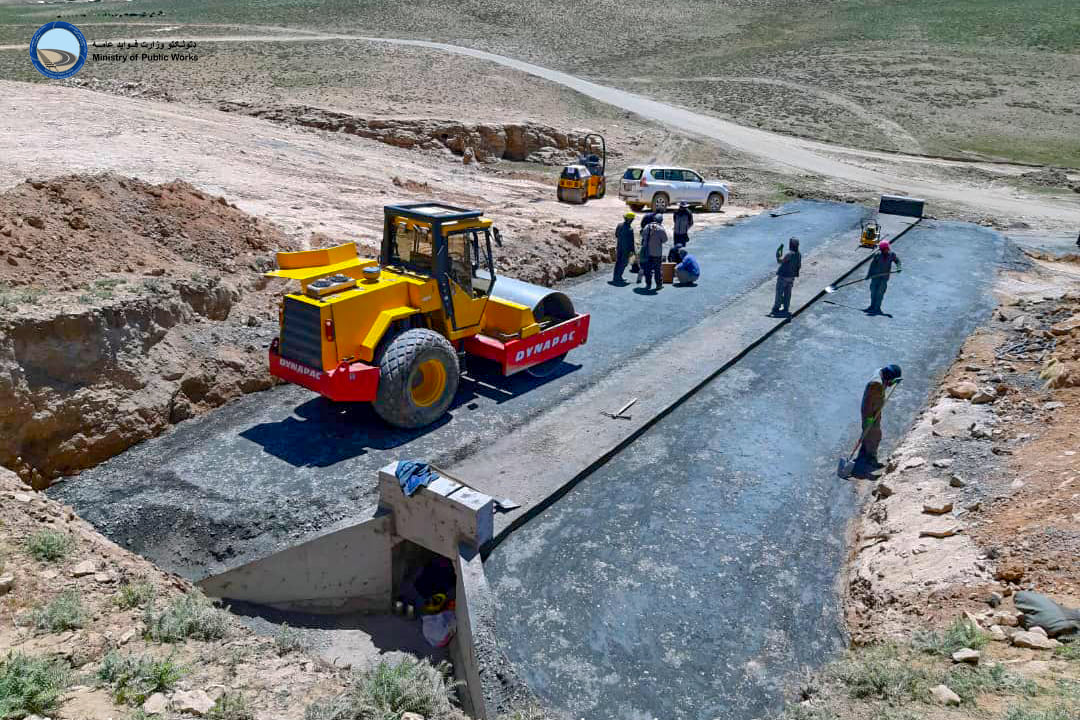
x=884, y=245
x=629, y=216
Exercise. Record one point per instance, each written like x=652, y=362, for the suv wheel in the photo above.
x=715, y=202
x=660, y=202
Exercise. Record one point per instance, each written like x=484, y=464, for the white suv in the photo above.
x=660, y=187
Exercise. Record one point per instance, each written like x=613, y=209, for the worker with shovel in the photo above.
x=878, y=275
x=873, y=402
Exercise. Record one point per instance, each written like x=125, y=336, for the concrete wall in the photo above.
x=472, y=592
x=350, y=567
x=344, y=569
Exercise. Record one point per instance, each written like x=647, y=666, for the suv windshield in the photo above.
x=632, y=174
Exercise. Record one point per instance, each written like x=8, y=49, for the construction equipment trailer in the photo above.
x=394, y=331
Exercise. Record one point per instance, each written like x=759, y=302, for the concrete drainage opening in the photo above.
x=342, y=586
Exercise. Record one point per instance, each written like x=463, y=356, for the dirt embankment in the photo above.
x=983, y=497
x=128, y=306
x=484, y=142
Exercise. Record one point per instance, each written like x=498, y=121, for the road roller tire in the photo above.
x=418, y=378
x=560, y=195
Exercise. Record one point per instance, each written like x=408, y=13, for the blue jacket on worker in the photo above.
x=688, y=270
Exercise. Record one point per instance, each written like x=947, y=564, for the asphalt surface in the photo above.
x=692, y=575
x=271, y=468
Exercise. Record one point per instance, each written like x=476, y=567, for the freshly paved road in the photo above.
x=273, y=467
x=695, y=572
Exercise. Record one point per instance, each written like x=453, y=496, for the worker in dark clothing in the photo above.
x=878, y=274
x=624, y=246
x=790, y=264
x=1078, y=241
x=653, y=239
x=687, y=272
x=684, y=220
x=650, y=217
x=873, y=402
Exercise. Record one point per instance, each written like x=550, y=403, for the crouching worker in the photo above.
x=687, y=272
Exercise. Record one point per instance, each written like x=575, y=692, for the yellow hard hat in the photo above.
x=629, y=216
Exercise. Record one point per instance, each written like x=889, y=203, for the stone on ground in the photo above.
x=194, y=702
x=86, y=567
x=1034, y=641
x=967, y=655
x=944, y=696
x=156, y=704
x=937, y=507
x=964, y=390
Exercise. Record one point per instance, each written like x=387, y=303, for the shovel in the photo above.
x=846, y=466
x=833, y=288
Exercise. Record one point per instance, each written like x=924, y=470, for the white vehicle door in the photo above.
x=661, y=180
x=694, y=187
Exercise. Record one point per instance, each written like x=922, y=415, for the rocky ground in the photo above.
x=980, y=501
x=81, y=607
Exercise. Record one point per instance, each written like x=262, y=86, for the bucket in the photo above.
x=667, y=271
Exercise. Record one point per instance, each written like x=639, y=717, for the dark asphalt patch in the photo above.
x=271, y=468
x=693, y=574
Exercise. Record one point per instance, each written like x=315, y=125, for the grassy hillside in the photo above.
x=989, y=78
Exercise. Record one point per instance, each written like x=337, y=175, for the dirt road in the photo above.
x=794, y=154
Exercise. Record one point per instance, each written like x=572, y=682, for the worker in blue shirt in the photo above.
x=687, y=272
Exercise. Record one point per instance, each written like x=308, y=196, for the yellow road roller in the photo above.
x=393, y=331
x=585, y=180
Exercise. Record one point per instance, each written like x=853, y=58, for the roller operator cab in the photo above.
x=585, y=180
x=394, y=331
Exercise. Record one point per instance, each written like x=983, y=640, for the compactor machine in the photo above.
x=871, y=234
x=585, y=180
x=394, y=331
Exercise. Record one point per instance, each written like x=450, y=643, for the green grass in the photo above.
x=49, y=545
x=884, y=673
x=12, y=297
x=1022, y=713
x=64, y=612
x=230, y=706
x=961, y=634
x=1070, y=651
x=390, y=689
x=287, y=640
x=188, y=616
x=133, y=679
x=970, y=682
x=135, y=594
x=31, y=685
x=101, y=290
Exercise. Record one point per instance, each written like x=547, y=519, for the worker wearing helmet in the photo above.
x=878, y=275
x=624, y=247
x=873, y=402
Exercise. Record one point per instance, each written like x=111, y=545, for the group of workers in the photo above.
x=650, y=254
x=688, y=271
